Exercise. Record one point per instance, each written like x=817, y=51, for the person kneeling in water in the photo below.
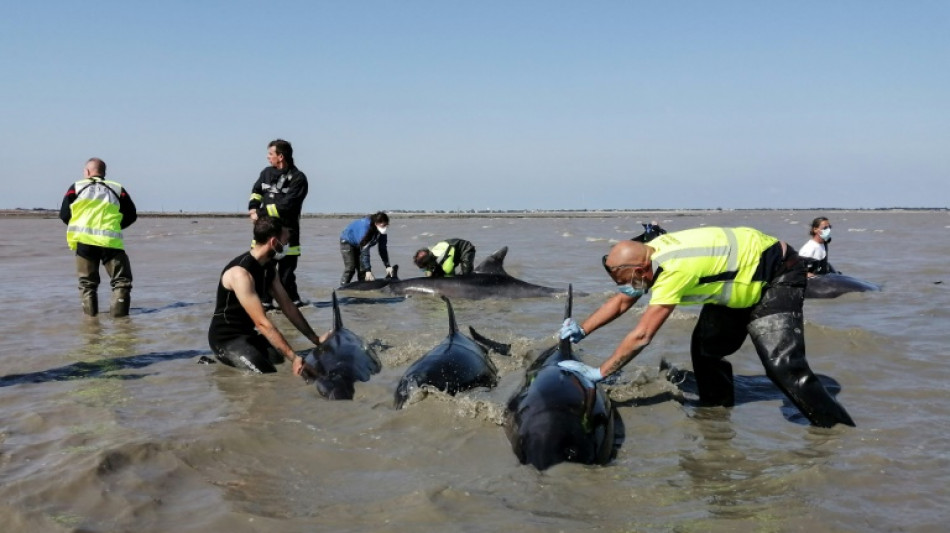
x=241, y=335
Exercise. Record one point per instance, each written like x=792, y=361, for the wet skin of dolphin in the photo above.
x=457, y=364
x=343, y=359
x=489, y=280
x=559, y=416
x=834, y=284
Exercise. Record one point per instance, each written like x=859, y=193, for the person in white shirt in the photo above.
x=815, y=251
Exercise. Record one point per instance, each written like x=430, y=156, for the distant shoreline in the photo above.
x=513, y=213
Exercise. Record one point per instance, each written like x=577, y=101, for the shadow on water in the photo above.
x=349, y=300
x=99, y=369
x=175, y=305
x=748, y=389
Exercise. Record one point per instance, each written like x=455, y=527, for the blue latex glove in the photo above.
x=590, y=372
x=573, y=330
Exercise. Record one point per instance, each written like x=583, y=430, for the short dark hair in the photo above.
x=266, y=227
x=424, y=258
x=379, y=218
x=283, y=148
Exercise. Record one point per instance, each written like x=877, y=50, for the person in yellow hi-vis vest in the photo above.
x=446, y=258
x=279, y=192
x=95, y=212
x=749, y=284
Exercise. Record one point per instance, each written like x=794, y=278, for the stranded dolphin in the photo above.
x=558, y=415
x=489, y=280
x=457, y=364
x=835, y=284
x=340, y=361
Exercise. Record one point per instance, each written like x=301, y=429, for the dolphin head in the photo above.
x=548, y=438
x=336, y=388
x=333, y=384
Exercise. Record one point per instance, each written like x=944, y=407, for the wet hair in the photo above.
x=98, y=165
x=814, y=225
x=283, y=148
x=423, y=258
x=266, y=227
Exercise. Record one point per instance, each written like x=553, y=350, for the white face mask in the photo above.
x=382, y=229
x=825, y=234
x=278, y=255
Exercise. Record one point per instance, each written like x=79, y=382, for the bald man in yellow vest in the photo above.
x=95, y=212
x=749, y=284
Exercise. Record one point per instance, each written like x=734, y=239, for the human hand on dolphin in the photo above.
x=299, y=366
x=573, y=330
x=591, y=373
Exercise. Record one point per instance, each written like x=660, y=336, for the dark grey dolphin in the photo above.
x=489, y=280
x=343, y=359
x=834, y=284
x=375, y=285
x=457, y=364
x=559, y=416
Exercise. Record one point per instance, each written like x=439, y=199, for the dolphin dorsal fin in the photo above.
x=493, y=264
x=453, y=326
x=565, y=345
x=337, y=319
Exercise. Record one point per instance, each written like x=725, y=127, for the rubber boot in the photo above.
x=90, y=302
x=714, y=382
x=780, y=342
x=719, y=332
x=120, y=302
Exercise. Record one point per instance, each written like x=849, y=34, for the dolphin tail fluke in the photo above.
x=495, y=346
x=453, y=326
x=493, y=264
x=337, y=319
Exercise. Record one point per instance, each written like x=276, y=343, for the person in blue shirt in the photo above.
x=356, y=240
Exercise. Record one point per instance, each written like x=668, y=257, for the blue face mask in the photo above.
x=631, y=291
x=825, y=234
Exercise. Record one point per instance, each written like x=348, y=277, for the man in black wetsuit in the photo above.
x=279, y=192
x=241, y=334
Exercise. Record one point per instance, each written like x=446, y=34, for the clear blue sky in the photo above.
x=484, y=104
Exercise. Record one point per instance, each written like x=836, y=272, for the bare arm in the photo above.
x=292, y=313
x=240, y=281
x=638, y=339
x=617, y=305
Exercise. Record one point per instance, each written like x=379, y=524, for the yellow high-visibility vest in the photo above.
x=96, y=219
x=709, y=265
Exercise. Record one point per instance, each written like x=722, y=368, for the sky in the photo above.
x=448, y=105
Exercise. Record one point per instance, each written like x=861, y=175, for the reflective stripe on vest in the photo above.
x=96, y=219
x=445, y=256
x=721, y=262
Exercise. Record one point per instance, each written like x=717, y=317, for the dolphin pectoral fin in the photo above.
x=497, y=347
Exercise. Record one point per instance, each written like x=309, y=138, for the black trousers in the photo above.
x=251, y=352
x=465, y=257
x=285, y=272
x=776, y=326
x=351, y=263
